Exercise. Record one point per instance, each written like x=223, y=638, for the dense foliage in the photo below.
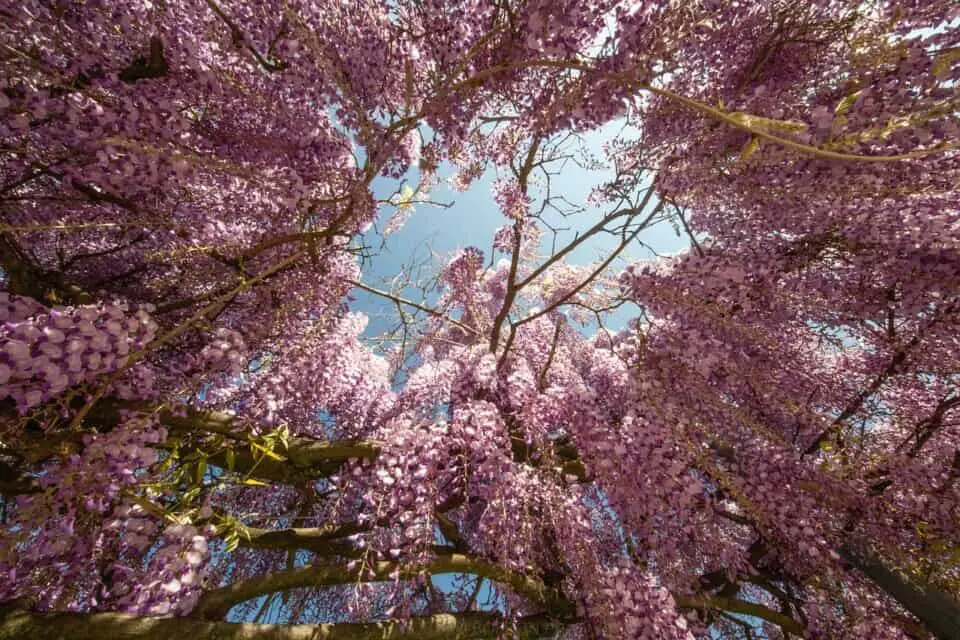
x=198, y=435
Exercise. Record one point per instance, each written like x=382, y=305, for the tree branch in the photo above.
x=892, y=368
x=928, y=427
x=513, y=288
x=586, y=235
x=22, y=625
x=936, y=609
x=327, y=540
x=593, y=275
x=218, y=602
x=318, y=458
x=411, y=303
x=303, y=456
x=744, y=607
x=240, y=39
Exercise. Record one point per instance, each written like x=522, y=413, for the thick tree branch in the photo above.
x=323, y=540
x=303, y=456
x=935, y=609
x=144, y=68
x=327, y=541
x=451, y=533
x=938, y=611
x=746, y=122
x=744, y=607
x=311, y=457
x=21, y=625
x=216, y=603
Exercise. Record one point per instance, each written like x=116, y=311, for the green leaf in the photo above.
x=148, y=506
x=267, y=452
x=251, y=482
x=231, y=459
x=750, y=148
x=404, y=200
x=224, y=527
x=284, y=436
x=847, y=102
x=168, y=461
x=201, y=469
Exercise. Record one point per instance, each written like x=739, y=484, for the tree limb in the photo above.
x=22, y=625
x=744, y=607
x=937, y=610
x=321, y=540
x=217, y=603
x=892, y=368
x=415, y=305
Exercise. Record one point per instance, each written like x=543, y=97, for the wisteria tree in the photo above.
x=200, y=436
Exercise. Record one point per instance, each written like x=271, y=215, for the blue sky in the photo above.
x=434, y=233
